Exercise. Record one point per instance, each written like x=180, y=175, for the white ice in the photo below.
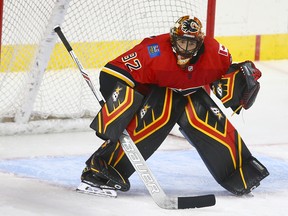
x=38, y=173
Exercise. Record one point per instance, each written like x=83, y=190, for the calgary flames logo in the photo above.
x=190, y=26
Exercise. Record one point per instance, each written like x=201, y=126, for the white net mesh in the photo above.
x=97, y=30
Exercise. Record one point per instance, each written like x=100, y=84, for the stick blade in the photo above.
x=196, y=202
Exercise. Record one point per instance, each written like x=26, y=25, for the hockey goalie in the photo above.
x=158, y=84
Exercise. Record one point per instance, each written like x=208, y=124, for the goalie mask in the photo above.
x=186, y=38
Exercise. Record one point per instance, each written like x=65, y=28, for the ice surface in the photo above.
x=39, y=173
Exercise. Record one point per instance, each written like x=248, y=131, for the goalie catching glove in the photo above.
x=251, y=75
x=239, y=87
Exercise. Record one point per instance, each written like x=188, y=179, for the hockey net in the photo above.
x=41, y=89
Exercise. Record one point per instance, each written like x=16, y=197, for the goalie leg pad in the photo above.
x=117, y=112
x=219, y=145
x=253, y=172
x=150, y=126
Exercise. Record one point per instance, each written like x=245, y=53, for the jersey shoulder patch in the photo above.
x=153, y=50
x=223, y=50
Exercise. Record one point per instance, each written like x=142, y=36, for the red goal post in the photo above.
x=40, y=84
x=210, y=24
x=1, y=18
x=211, y=13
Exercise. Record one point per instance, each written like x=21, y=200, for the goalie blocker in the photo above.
x=201, y=121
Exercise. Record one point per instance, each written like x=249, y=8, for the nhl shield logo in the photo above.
x=190, y=68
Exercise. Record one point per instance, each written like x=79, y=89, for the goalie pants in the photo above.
x=203, y=124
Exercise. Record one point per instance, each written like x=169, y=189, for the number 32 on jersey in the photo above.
x=131, y=62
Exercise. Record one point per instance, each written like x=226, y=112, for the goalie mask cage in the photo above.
x=41, y=88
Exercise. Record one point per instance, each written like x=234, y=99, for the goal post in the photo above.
x=210, y=21
x=40, y=86
x=1, y=18
x=40, y=62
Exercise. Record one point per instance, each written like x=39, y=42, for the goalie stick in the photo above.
x=136, y=158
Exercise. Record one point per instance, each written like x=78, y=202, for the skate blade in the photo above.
x=103, y=192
